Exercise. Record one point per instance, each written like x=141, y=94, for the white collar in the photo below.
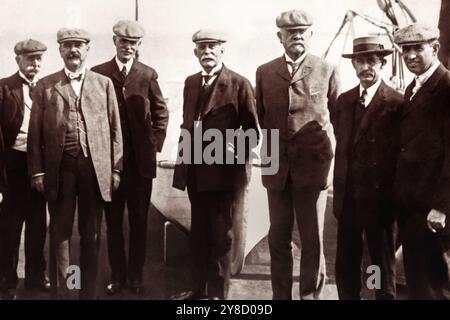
x=427, y=74
x=299, y=60
x=372, y=89
x=75, y=74
x=213, y=71
x=25, y=78
x=126, y=65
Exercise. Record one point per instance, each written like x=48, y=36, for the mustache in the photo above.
x=74, y=55
x=365, y=73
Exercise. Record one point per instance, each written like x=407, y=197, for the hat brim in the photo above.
x=74, y=39
x=129, y=38
x=210, y=41
x=34, y=53
x=296, y=27
x=384, y=52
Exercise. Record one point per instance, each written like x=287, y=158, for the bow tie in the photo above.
x=31, y=84
x=75, y=76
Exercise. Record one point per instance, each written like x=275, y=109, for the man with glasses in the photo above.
x=75, y=157
x=144, y=118
x=21, y=203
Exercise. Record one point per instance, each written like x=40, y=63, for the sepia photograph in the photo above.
x=245, y=150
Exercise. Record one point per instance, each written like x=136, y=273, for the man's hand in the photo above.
x=1, y=197
x=115, y=180
x=37, y=183
x=436, y=220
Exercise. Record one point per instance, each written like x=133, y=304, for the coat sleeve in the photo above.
x=259, y=100
x=158, y=112
x=2, y=146
x=35, y=139
x=334, y=89
x=115, y=129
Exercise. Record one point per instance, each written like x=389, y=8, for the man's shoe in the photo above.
x=42, y=284
x=114, y=287
x=188, y=295
x=136, y=287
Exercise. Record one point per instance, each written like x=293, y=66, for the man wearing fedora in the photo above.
x=144, y=118
x=296, y=94
x=74, y=157
x=21, y=204
x=366, y=127
x=422, y=184
x=217, y=99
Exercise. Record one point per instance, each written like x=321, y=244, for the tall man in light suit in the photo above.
x=295, y=94
x=144, y=118
x=22, y=205
x=75, y=156
x=366, y=127
x=422, y=182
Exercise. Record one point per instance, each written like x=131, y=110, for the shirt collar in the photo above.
x=127, y=65
x=372, y=89
x=82, y=72
x=214, y=70
x=26, y=80
x=427, y=74
x=299, y=60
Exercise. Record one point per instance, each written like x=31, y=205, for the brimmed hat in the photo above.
x=294, y=19
x=29, y=47
x=209, y=35
x=415, y=33
x=367, y=45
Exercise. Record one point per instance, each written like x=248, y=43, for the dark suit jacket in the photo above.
x=146, y=110
x=48, y=125
x=305, y=148
x=369, y=152
x=11, y=117
x=423, y=167
x=231, y=106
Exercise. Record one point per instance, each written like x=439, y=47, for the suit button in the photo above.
x=375, y=163
x=403, y=149
x=376, y=186
x=291, y=112
x=373, y=140
x=61, y=145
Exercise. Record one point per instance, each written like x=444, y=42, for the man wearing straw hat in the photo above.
x=366, y=129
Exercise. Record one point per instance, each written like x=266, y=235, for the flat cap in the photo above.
x=415, y=33
x=294, y=19
x=128, y=29
x=208, y=35
x=74, y=34
x=29, y=47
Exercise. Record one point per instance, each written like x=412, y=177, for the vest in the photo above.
x=76, y=136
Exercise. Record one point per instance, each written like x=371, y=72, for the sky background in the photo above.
x=169, y=24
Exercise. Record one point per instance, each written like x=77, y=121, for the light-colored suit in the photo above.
x=48, y=125
x=300, y=107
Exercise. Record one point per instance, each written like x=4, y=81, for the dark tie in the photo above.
x=206, y=79
x=75, y=76
x=31, y=86
x=294, y=66
x=363, y=98
x=124, y=73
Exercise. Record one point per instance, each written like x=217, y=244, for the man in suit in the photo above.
x=144, y=118
x=217, y=99
x=74, y=157
x=295, y=94
x=422, y=184
x=21, y=204
x=366, y=128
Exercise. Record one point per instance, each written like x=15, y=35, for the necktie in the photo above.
x=31, y=86
x=416, y=87
x=294, y=67
x=206, y=79
x=124, y=73
x=363, y=98
x=76, y=76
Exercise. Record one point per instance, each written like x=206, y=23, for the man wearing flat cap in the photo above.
x=422, y=184
x=216, y=99
x=366, y=128
x=144, y=118
x=74, y=157
x=21, y=204
x=296, y=93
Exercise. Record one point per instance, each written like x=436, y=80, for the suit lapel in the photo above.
x=347, y=117
x=62, y=86
x=303, y=70
x=218, y=90
x=17, y=92
x=282, y=69
x=132, y=75
x=191, y=99
x=115, y=72
x=375, y=105
x=421, y=95
x=88, y=89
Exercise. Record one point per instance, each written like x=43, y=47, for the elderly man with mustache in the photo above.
x=366, y=128
x=21, y=203
x=75, y=157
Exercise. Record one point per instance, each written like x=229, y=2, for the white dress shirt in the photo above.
x=213, y=73
x=76, y=84
x=371, y=91
x=127, y=65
